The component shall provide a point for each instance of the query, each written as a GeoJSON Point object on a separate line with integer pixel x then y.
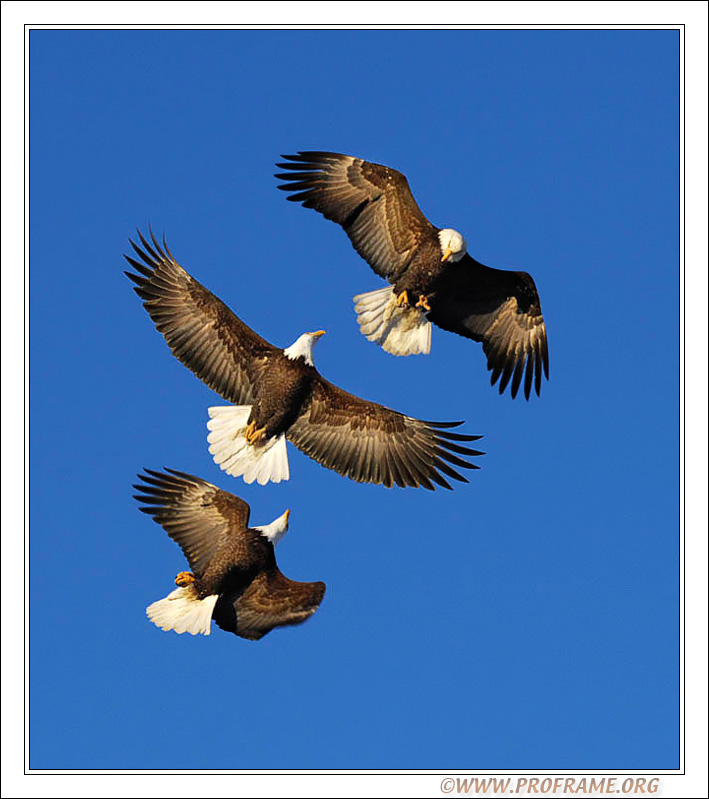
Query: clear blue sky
{"type": "Point", "coordinates": [526, 620]}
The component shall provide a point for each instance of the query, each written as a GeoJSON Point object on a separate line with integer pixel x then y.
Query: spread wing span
{"type": "Point", "coordinates": [202, 332]}
{"type": "Point", "coordinates": [370, 443]}
{"type": "Point", "coordinates": [372, 202]}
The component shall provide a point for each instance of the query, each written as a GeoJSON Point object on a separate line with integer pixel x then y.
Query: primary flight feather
{"type": "Point", "coordinates": [433, 278]}
{"type": "Point", "coordinates": [278, 394]}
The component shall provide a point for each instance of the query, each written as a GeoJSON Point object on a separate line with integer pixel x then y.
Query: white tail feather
{"type": "Point", "coordinates": [183, 612]}
{"type": "Point", "coordinates": [399, 331]}
{"type": "Point", "coordinates": [231, 452]}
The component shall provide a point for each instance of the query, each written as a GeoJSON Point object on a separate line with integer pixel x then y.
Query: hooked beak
{"type": "Point", "coordinates": [447, 254]}
{"type": "Point", "coordinates": [287, 515]}
{"type": "Point", "coordinates": [317, 333]}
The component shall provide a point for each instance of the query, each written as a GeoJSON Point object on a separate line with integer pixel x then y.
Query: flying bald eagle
{"type": "Point", "coordinates": [433, 278]}
{"type": "Point", "coordinates": [234, 578]}
{"type": "Point", "coordinates": [278, 394]}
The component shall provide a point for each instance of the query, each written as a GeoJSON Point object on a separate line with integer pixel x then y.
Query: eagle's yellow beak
{"type": "Point", "coordinates": [317, 333]}
{"type": "Point", "coordinates": [447, 254]}
{"type": "Point", "coordinates": [287, 515]}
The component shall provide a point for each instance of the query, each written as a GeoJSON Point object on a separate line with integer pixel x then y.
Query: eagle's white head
{"type": "Point", "coordinates": [453, 245]}
{"type": "Point", "coordinates": [276, 529]}
{"type": "Point", "coordinates": [303, 346]}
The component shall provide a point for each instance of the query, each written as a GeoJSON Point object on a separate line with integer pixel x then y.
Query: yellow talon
{"type": "Point", "coordinates": [423, 303]}
{"type": "Point", "coordinates": [255, 435]}
{"type": "Point", "coordinates": [184, 578]}
{"type": "Point", "coordinates": [402, 301]}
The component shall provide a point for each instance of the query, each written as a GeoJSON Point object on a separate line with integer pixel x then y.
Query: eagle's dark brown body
{"type": "Point", "coordinates": [281, 391]}
{"type": "Point", "coordinates": [235, 564]}
{"type": "Point", "coordinates": [422, 271]}
{"type": "Point", "coordinates": [245, 570]}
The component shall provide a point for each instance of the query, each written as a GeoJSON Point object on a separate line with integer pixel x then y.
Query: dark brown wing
{"type": "Point", "coordinates": [201, 331]}
{"type": "Point", "coordinates": [271, 600]}
{"type": "Point", "coordinates": [196, 514]}
{"type": "Point", "coordinates": [373, 444]}
{"type": "Point", "coordinates": [502, 310]}
{"type": "Point", "coordinates": [373, 203]}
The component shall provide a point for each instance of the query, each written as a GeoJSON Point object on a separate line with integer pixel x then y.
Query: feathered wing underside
{"type": "Point", "coordinates": [196, 514]}
{"type": "Point", "coordinates": [500, 309]}
{"type": "Point", "coordinates": [271, 600]}
{"type": "Point", "coordinates": [201, 331]}
{"type": "Point", "coordinates": [373, 203]}
{"type": "Point", "coordinates": [373, 444]}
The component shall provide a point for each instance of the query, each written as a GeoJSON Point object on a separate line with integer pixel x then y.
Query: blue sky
{"type": "Point", "coordinates": [526, 620]}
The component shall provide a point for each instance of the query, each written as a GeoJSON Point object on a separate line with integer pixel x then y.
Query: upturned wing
{"type": "Point", "coordinates": [271, 600]}
{"type": "Point", "coordinates": [373, 444]}
{"type": "Point", "coordinates": [196, 514]}
{"type": "Point", "coordinates": [372, 202]}
{"type": "Point", "coordinates": [207, 337]}
{"type": "Point", "coordinates": [500, 309]}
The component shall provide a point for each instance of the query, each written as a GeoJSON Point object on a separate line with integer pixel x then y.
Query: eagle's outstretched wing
{"type": "Point", "coordinates": [373, 444]}
{"type": "Point", "coordinates": [207, 337]}
{"type": "Point", "coordinates": [271, 600]}
{"type": "Point", "coordinates": [372, 202]}
{"type": "Point", "coordinates": [500, 309]}
{"type": "Point", "coordinates": [196, 514]}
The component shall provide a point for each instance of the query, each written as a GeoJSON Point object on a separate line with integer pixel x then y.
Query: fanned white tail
{"type": "Point", "coordinates": [183, 612]}
{"type": "Point", "coordinates": [227, 443]}
{"type": "Point", "coordinates": [399, 331]}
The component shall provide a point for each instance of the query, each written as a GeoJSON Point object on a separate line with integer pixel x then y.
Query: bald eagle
{"type": "Point", "coordinates": [433, 278]}
{"type": "Point", "coordinates": [278, 394]}
{"type": "Point", "coordinates": [234, 578]}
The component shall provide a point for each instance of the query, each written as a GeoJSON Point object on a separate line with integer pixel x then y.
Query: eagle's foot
{"type": "Point", "coordinates": [184, 578]}
{"type": "Point", "coordinates": [251, 427]}
{"type": "Point", "coordinates": [423, 303]}
{"type": "Point", "coordinates": [402, 301]}
{"type": "Point", "coordinates": [254, 436]}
